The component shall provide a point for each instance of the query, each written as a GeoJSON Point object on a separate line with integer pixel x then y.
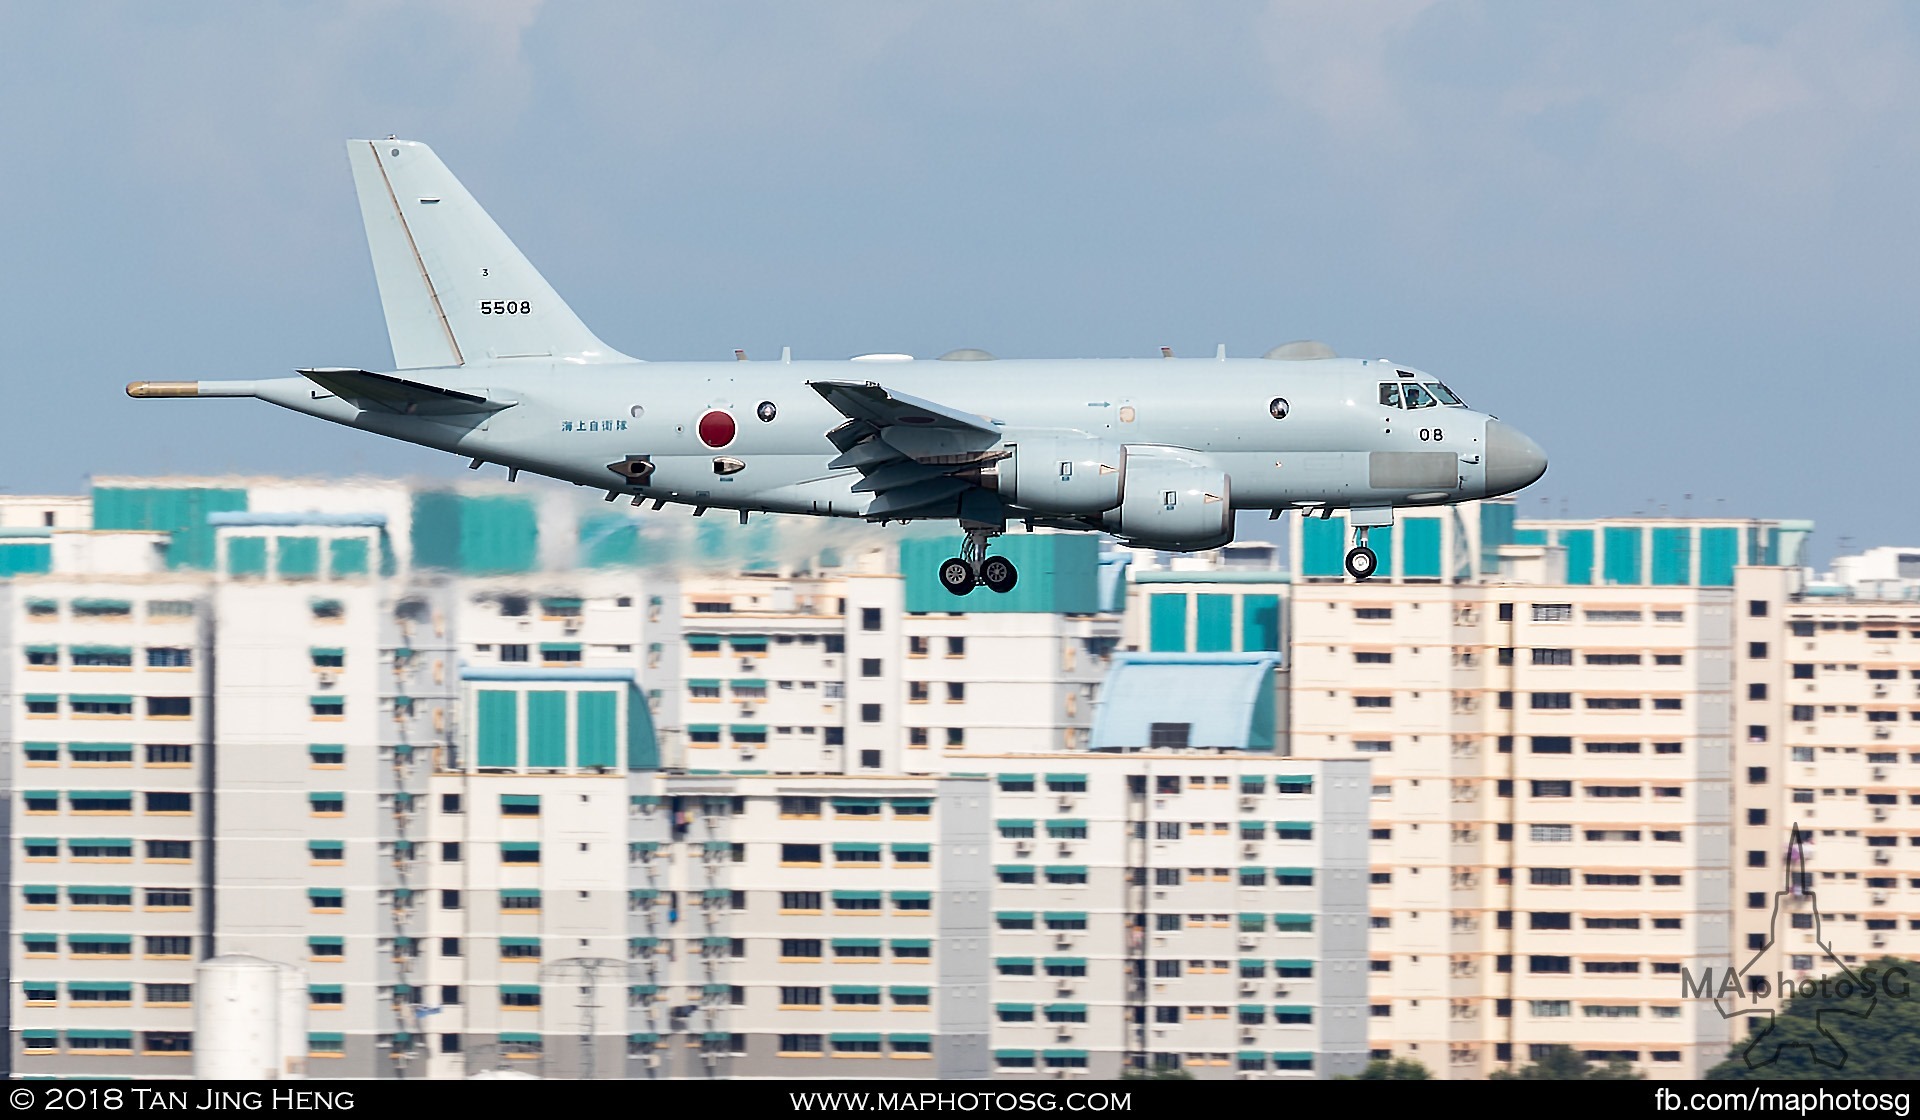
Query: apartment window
{"type": "Point", "coordinates": [1757, 691]}
{"type": "Point", "coordinates": [869, 713]}
{"type": "Point", "coordinates": [870, 618]}
{"type": "Point", "coordinates": [1372, 657]}
{"type": "Point", "coordinates": [1803, 672]}
{"type": "Point", "coordinates": [1756, 650]}
{"type": "Point", "coordinates": [1552, 744]}
{"type": "Point", "coordinates": [1756, 775]}
{"type": "Point", "coordinates": [956, 647]}
{"type": "Point", "coordinates": [1553, 657]}
{"type": "Point", "coordinates": [956, 736]}
{"type": "Point", "coordinates": [167, 850]}
{"type": "Point", "coordinates": [1550, 833]}
{"type": "Point", "coordinates": [1543, 612]}
{"type": "Point", "coordinates": [1161, 736]}
{"type": "Point", "coordinates": [870, 666]}
{"type": "Point", "coordinates": [513, 652]}
{"type": "Point", "coordinates": [1552, 701]}
{"type": "Point", "coordinates": [1549, 964]}
{"type": "Point", "coordinates": [1552, 788]}
{"type": "Point", "coordinates": [1550, 876]}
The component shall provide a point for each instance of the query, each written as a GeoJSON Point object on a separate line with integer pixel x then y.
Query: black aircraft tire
{"type": "Point", "coordinates": [956, 575]}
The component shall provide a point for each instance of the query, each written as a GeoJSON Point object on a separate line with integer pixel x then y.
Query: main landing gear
{"type": "Point", "coordinates": [973, 566]}
{"type": "Point", "coordinates": [1361, 562]}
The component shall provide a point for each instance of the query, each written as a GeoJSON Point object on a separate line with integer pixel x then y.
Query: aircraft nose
{"type": "Point", "coordinates": [1514, 461]}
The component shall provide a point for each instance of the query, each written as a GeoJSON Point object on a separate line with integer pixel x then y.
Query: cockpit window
{"type": "Point", "coordinates": [1445, 394]}
{"type": "Point", "coordinates": [1390, 394]}
{"type": "Point", "coordinates": [1417, 397]}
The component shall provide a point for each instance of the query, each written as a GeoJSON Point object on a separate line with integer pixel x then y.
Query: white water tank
{"type": "Point", "coordinates": [236, 1019]}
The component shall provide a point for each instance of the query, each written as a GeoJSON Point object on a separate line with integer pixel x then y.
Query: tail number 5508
{"type": "Point", "coordinates": [505, 307]}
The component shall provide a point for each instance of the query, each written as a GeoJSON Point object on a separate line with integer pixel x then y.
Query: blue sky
{"type": "Point", "coordinates": [1675, 242]}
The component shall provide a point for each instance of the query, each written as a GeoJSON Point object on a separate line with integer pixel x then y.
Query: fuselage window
{"type": "Point", "coordinates": [1419, 398]}
{"type": "Point", "coordinates": [1445, 394]}
{"type": "Point", "coordinates": [1390, 395]}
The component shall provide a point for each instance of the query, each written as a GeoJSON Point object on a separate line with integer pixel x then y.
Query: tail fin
{"type": "Point", "coordinates": [454, 288]}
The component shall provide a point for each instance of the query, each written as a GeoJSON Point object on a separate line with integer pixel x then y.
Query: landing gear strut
{"type": "Point", "coordinates": [1361, 562]}
{"type": "Point", "coordinates": [973, 566]}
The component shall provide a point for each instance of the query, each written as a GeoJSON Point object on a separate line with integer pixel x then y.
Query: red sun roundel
{"type": "Point", "coordinates": [716, 428]}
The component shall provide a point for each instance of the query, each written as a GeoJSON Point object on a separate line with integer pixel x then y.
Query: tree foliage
{"type": "Point", "coordinates": [1563, 1063]}
{"type": "Point", "coordinates": [1399, 1069]}
{"type": "Point", "coordinates": [1885, 1043]}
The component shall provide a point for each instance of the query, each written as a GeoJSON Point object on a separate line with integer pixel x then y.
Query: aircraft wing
{"type": "Point", "coordinates": [387, 393]}
{"type": "Point", "coordinates": [908, 450]}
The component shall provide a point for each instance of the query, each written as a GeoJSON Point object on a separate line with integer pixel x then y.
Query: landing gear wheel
{"type": "Point", "coordinates": [998, 574]}
{"type": "Point", "coordinates": [956, 575]}
{"type": "Point", "coordinates": [1361, 562]}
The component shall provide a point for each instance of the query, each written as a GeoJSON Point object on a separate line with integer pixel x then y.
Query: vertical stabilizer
{"type": "Point", "coordinates": [454, 288]}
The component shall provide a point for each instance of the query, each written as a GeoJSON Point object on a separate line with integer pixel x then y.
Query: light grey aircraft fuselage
{"type": "Point", "coordinates": [492, 365]}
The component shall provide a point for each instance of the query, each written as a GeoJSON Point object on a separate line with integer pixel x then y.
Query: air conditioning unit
{"type": "Point", "coordinates": [1022, 847]}
{"type": "Point", "coordinates": [1247, 988]}
{"type": "Point", "coordinates": [1882, 732]}
{"type": "Point", "coordinates": [1879, 898]}
{"type": "Point", "coordinates": [1066, 801]}
{"type": "Point", "coordinates": [1063, 941]}
{"type": "Point", "coordinates": [746, 663]}
{"type": "Point", "coordinates": [325, 676]}
{"type": "Point", "coordinates": [1066, 849]}
{"type": "Point", "coordinates": [571, 626]}
{"type": "Point", "coordinates": [1879, 939]}
{"type": "Point", "coordinates": [1879, 813]}
{"type": "Point", "coordinates": [1250, 850]}
{"type": "Point", "coordinates": [1065, 987]}
{"type": "Point", "coordinates": [1246, 803]}
{"type": "Point", "coordinates": [1879, 773]}
{"type": "Point", "coordinates": [1246, 1074]}
{"type": "Point", "coordinates": [1282, 990]}
{"type": "Point", "coordinates": [1247, 1036]}
{"type": "Point", "coordinates": [1880, 856]}
{"type": "Point", "coordinates": [1247, 941]}
{"type": "Point", "coordinates": [1879, 690]}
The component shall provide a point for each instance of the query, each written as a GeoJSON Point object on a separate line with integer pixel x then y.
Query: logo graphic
{"type": "Point", "coordinates": [1749, 992]}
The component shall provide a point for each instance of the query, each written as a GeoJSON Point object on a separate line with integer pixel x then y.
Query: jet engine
{"type": "Point", "coordinates": [1173, 499]}
{"type": "Point", "coordinates": [1061, 472]}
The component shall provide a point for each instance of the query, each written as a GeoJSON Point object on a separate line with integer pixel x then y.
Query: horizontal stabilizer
{"type": "Point", "coordinates": [387, 393]}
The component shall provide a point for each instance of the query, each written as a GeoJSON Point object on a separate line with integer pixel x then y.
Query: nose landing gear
{"type": "Point", "coordinates": [962, 573]}
{"type": "Point", "coordinates": [1361, 561]}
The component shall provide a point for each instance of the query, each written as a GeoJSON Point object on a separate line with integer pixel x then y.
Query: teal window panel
{"type": "Point", "coordinates": [25, 558]}
{"type": "Point", "coordinates": [1672, 556]}
{"type": "Point", "coordinates": [643, 749]}
{"type": "Point", "coordinates": [347, 557]}
{"type": "Point", "coordinates": [1620, 563]}
{"type": "Point", "coordinates": [499, 731]}
{"type": "Point", "coordinates": [1764, 546]}
{"type": "Point", "coordinates": [1259, 622]}
{"type": "Point", "coordinates": [179, 511]}
{"type": "Point", "coordinates": [1381, 541]}
{"type": "Point", "coordinates": [1323, 546]}
{"type": "Point", "coordinates": [546, 728]}
{"type": "Point", "coordinates": [1496, 529]}
{"type": "Point", "coordinates": [596, 735]}
{"type": "Point", "coordinates": [1213, 624]}
{"type": "Point", "coordinates": [246, 556]}
{"type": "Point", "coordinates": [297, 557]}
{"type": "Point", "coordinates": [611, 541]}
{"type": "Point", "coordinates": [1529, 536]}
{"type": "Point", "coordinates": [1420, 551]}
{"type": "Point", "coordinates": [1059, 573]}
{"type": "Point", "coordinates": [1167, 623]}
{"type": "Point", "coordinates": [1719, 552]}
{"type": "Point", "coordinates": [1579, 546]}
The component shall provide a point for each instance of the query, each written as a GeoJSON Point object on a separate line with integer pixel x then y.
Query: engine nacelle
{"type": "Point", "coordinates": [1173, 500]}
{"type": "Point", "coordinates": [1062, 472]}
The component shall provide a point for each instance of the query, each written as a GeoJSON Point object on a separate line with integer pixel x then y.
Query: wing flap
{"type": "Point", "coordinates": [908, 450]}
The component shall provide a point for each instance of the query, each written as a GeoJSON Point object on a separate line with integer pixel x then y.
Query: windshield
{"type": "Point", "coordinates": [1416, 397]}
{"type": "Point", "coordinates": [1445, 394]}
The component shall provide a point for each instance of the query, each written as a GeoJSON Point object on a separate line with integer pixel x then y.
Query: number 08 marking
{"type": "Point", "coordinates": [1431, 435]}
{"type": "Point", "coordinates": [506, 307]}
